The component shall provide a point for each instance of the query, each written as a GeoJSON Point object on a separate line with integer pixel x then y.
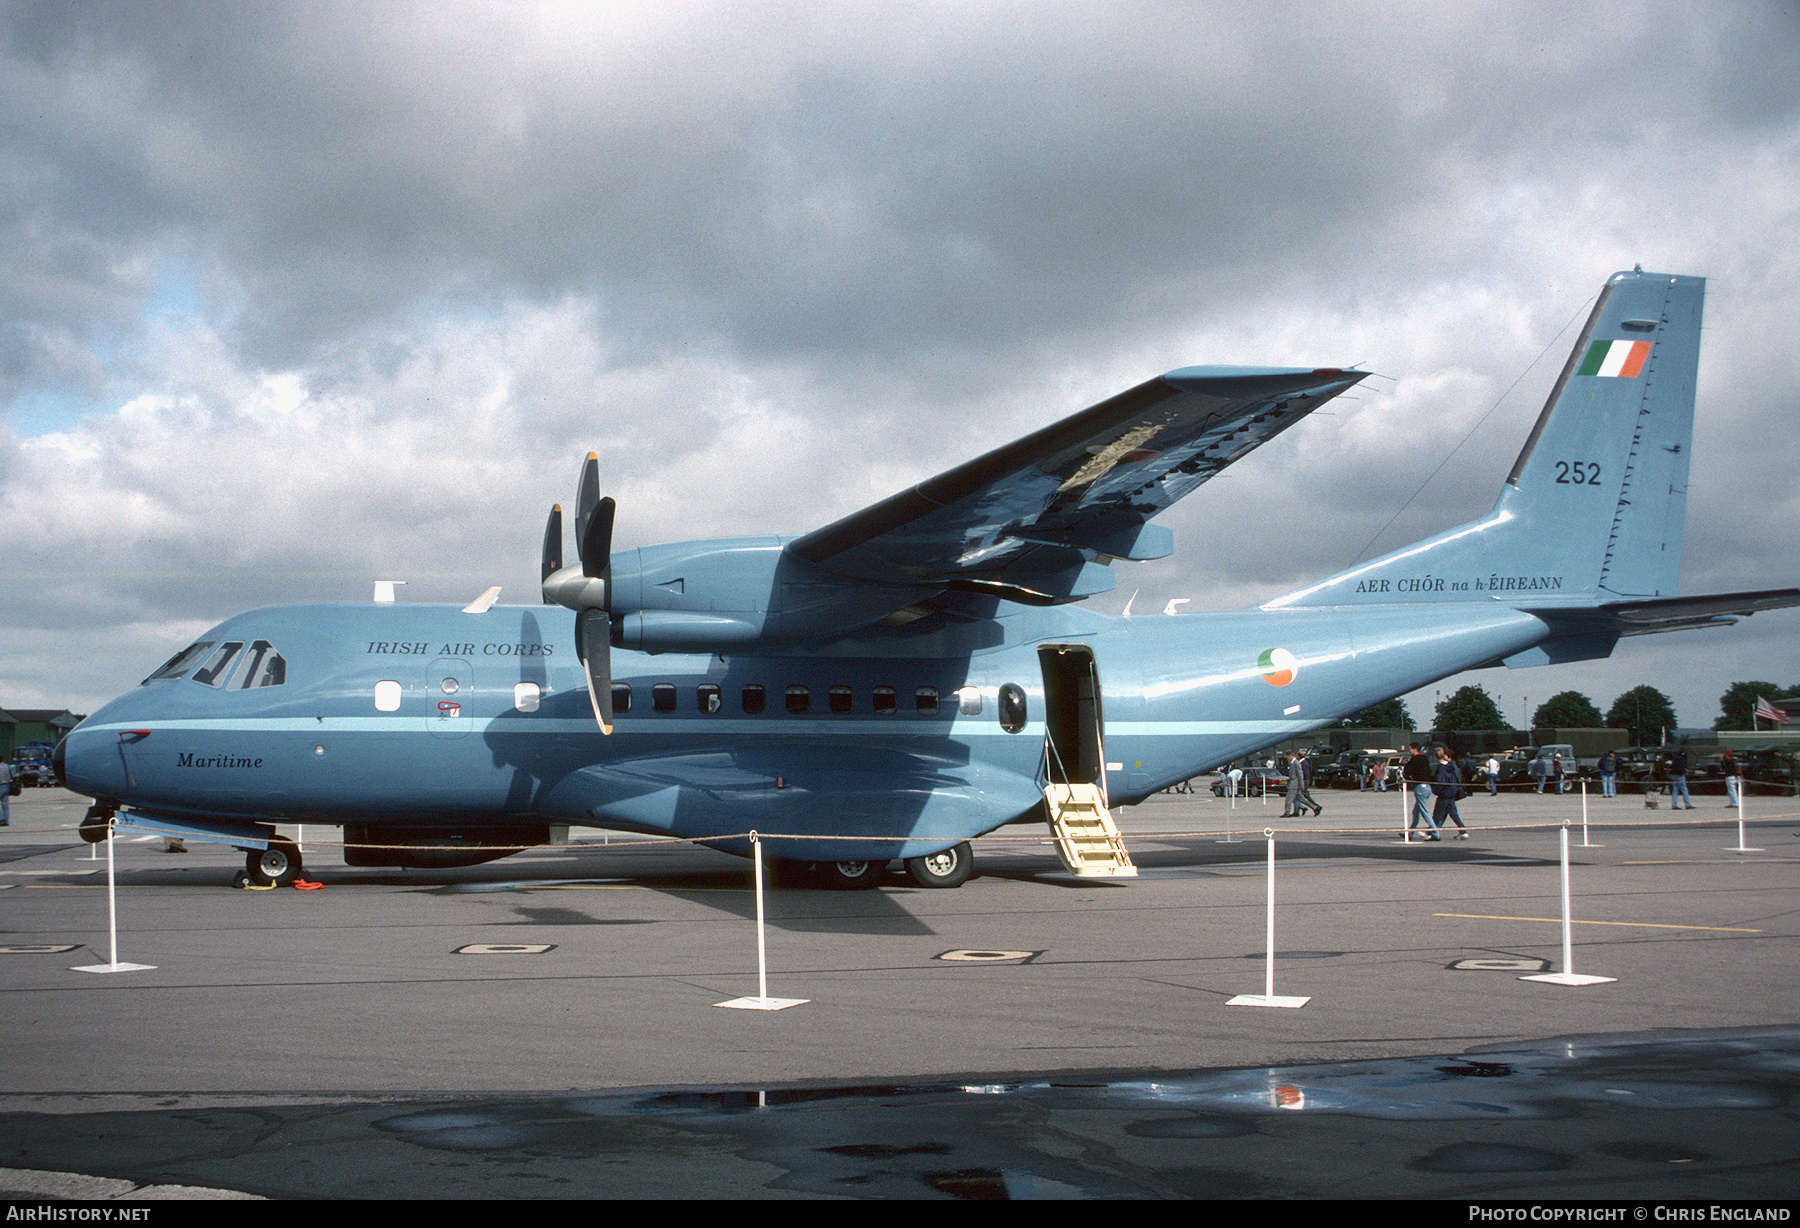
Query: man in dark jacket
{"type": "Point", "coordinates": [1678, 790]}
{"type": "Point", "coordinates": [1419, 775]}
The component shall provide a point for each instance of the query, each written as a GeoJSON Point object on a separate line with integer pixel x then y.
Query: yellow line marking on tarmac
{"type": "Point", "coordinates": [1648, 925]}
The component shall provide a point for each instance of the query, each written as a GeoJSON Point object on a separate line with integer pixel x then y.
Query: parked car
{"type": "Point", "coordinates": [1256, 782]}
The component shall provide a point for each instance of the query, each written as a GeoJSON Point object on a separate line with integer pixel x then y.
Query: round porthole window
{"type": "Point", "coordinates": [1012, 708]}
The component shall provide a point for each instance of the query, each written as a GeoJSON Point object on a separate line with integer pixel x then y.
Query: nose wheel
{"type": "Point", "coordinates": [276, 866]}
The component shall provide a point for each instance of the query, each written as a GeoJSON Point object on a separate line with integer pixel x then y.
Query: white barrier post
{"type": "Point", "coordinates": [1567, 976]}
{"type": "Point", "coordinates": [1585, 842]}
{"type": "Point", "coordinates": [1267, 996]}
{"type": "Point", "coordinates": [762, 1001]}
{"type": "Point", "coordinates": [1740, 820]}
{"type": "Point", "coordinates": [112, 918]}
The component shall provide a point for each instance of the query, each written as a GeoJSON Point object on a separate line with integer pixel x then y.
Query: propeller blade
{"type": "Point", "coordinates": [593, 641]}
{"type": "Point", "coordinates": [553, 546]}
{"type": "Point", "coordinates": [587, 494]}
{"type": "Point", "coordinates": [596, 540]}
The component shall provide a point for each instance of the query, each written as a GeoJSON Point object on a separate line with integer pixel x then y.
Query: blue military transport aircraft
{"type": "Point", "coordinates": [916, 674]}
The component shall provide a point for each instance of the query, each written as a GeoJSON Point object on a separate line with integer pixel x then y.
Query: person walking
{"type": "Point", "coordinates": [1448, 788]}
{"type": "Point", "coordinates": [1728, 768]}
{"type": "Point", "coordinates": [1493, 775]}
{"type": "Point", "coordinates": [1418, 774]}
{"type": "Point", "coordinates": [1299, 799]}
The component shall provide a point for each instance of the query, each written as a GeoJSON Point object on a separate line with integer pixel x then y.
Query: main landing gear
{"type": "Point", "coordinates": [950, 868]}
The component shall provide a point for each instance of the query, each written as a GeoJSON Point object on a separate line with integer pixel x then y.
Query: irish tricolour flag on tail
{"type": "Point", "coordinates": [1624, 358]}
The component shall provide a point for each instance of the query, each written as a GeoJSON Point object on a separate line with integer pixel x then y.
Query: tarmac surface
{"type": "Point", "coordinates": [548, 1025]}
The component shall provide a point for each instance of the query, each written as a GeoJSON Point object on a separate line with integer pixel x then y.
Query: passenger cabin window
{"type": "Point", "coordinates": [621, 698]}
{"type": "Point", "coordinates": [1012, 708]}
{"type": "Point", "coordinates": [708, 697]}
{"type": "Point", "coordinates": [799, 701]}
{"type": "Point", "coordinates": [842, 699]}
{"type": "Point", "coordinates": [387, 696]}
{"type": "Point", "coordinates": [662, 697]}
{"type": "Point", "coordinates": [755, 699]}
{"type": "Point", "coordinates": [925, 701]}
{"type": "Point", "coordinates": [968, 700]}
{"type": "Point", "coordinates": [887, 700]}
{"type": "Point", "coordinates": [525, 696]}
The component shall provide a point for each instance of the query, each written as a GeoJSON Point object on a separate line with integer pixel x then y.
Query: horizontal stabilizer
{"type": "Point", "coordinates": [1679, 613]}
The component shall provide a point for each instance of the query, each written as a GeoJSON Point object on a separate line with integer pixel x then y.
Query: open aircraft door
{"type": "Point", "coordinates": [1074, 768]}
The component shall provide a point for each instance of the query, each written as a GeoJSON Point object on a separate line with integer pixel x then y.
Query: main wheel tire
{"type": "Point", "coordinates": [849, 875]}
{"type": "Point", "coordinates": [950, 868]}
{"type": "Point", "coordinates": [277, 866]}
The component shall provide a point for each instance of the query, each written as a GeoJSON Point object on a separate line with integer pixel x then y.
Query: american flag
{"type": "Point", "coordinates": [1769, 712]}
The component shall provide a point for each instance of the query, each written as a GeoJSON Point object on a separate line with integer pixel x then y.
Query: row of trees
{"type": "Point", "coordinates": [1644, 710]}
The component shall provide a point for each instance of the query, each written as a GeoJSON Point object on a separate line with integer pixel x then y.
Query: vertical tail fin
{"type": "Point", "coordinates": [1596, 503]}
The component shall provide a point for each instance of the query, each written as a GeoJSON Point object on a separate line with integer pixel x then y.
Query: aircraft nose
{"type": "Point", "coordinates": [89, 762]}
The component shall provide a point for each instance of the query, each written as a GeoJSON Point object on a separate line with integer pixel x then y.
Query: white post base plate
{"type": "Point", "coordinates": [1569, 978]}
{"type": "Point", "coordinates": [761, 1004]}
{"type": "Point", "coordinates": [114, 968]}
{"type": "Point", "coordinates": [1257, 999]}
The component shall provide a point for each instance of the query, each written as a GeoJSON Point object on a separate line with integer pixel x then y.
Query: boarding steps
{"type": "Point", "coordinates": [1087, 840]}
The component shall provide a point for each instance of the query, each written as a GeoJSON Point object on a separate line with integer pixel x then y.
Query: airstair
{"type": "Point", "coordinates": [1087, 840]}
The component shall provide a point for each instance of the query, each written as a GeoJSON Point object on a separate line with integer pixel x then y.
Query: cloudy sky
{"type": "Point", "coordinates": [295, 296]}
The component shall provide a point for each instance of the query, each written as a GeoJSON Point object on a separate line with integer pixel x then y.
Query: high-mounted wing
{"type": "Point", "coordinates": [1032, 520]}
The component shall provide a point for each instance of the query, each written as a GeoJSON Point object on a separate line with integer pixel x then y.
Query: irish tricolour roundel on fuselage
{"type": "Point", "coordinates": [1277, 666]}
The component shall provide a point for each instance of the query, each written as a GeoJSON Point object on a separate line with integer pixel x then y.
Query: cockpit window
{"type": "Point", "coordinates": [218, 666]}
{"type": "Point", "coordinates": [181, 662]}
{"type": "Point", "coordinates": [266, 668]}
{"type": "Point", "coordinates": [213, 664]}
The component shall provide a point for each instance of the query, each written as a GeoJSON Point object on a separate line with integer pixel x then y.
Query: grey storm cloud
{"type": "Point", "coordinates": [298, 294]}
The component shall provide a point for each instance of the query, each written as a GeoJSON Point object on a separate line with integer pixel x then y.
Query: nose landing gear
{"type": "Point", "coordinates": [276, 866]}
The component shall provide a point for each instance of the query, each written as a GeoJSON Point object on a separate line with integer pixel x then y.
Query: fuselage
{"type": "Point", "coordinates": [906, 740]}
